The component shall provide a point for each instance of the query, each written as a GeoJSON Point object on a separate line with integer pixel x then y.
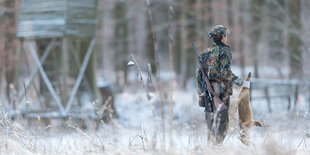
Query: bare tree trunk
{"type": "Point", "coordinates": [241, 40]}
{"type": "Point", "coordinates": [210, 15]}
{"type": "Point", "coordinates": [191, 35]}
{"type": "Point", "coordinates": [171, 12]}
{"type": "Point", "coordinates": [150, 47]}
{"type": "Point", "coordinates": [209, 20]}
{"type": "Point", "coordinates": [199, 24]}
{"type": "Point", "coordinates": [183, 41]}
{"type": "Point", "coordinates": [295, 41]}
{"type": "Point", "coordinates": [256, 24]}
{"type": "Point", "coordinates": [231, 24]}
{"type": "Point", "coordinates": [276, 29]}
{"type": "Point", "coordinates": [120, 39]}
{"type": "Point", "coordinates": [108, 29]}
{"type": "Point", "coordinates": [10, 43]}
{"type": "Point", "coordinates": [177, 6]}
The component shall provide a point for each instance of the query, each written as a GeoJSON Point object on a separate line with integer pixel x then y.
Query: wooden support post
{"type": "Point", "coordinates": [46, 80]}
{"type": "Point", "coordinates": [35, 71]}
{"type": "Point", "coordinates": [17, 70]}
{"type": "Point", "coordinates": [268, 99]}
{"type": "Point", "coordinates": [292, 95]}
{"type": "Point", "coordinates": [78, 47]}
{"type": "Point", "coordinates": [309, 98]}
{"type": "Point", "coordinates": [309, 109]}
{"type": "Point", "coordinates": [290, 98]}
{"type": "Point", "coordinates": [76, 56]}
{"type": "Point", "coordinates": [77, 52]}
{"type": "Point", "coordinates": [288, 103]}
{"type": "Point", "coordinates": [81, 73]}
{"type": "Point", "coordinates": [296, 95]}
{"type": "Point", "coordinates": [64, 69]}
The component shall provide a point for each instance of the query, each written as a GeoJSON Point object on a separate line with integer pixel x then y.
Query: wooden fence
{"type": "Point", "coordinates": [284, 89]}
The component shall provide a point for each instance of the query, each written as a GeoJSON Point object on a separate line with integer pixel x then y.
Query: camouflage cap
{"type": "Point", "coordinates": [218, 31]}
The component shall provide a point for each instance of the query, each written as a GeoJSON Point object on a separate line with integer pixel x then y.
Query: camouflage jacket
{"type": "Point", "coordinates": [216, 61]}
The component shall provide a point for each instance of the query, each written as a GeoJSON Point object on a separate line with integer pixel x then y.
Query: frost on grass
{"type": "Point", "coordinates": [130, 63]}
{"type": "Point", "coordinates": [150, 96]}
{"type": "Point", "coordinates": [133, 131]}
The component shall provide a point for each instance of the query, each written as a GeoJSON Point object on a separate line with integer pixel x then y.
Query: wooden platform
{"type": "Point", "coordinates": [57, 18]}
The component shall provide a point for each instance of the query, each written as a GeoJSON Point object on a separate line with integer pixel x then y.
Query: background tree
{"type": "Point", "coordinates": [241, 9]}
{"type": "Point", "coordinates": [295, 42]}
{"type": "Point", "coordinates": [255, 31]}
{"type": "Point", "coordinates": [10, 43]}
{"type": "Point", "coordinates": [183, 40]}
{"type": "Point", "coordinates": [121, 38]}
{"type": "Point", "coordinates": [191, 35]}
{"type": "Point", "coordinates": [275, 12]}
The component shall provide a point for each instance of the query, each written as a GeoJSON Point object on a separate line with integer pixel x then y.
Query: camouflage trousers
{"type": "Point", "coordinates": [217, 123]}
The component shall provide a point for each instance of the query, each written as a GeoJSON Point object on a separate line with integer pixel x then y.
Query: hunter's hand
{"type": "Point", "coordinates": [246, 84]}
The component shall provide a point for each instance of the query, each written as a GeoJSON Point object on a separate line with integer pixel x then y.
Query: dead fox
{"type": "Point", "coordinates": [246, 121]}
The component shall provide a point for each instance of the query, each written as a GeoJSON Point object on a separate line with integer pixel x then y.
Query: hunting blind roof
{"type": "Point", "coordinates": [57, 18]}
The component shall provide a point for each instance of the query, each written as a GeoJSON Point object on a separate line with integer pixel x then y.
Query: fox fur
{"type": "Point", "coordinates": [246, 121]}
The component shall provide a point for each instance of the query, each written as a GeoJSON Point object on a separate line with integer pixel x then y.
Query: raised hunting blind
{"type": "Point", "coordinates": [60, 37]}
{"type": "Point", "coordinates": [57, 18]}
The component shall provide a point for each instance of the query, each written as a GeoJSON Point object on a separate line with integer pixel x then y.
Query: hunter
{"type": "Point", "coordinates": [216, 60]}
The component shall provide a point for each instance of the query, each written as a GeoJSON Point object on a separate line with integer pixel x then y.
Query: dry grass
{"type": "Point", "coordinates": [108, 139]}
{"type": "Point", "coordinates": [23, 136]}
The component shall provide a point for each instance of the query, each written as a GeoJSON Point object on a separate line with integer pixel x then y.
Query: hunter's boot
{"type": "Point", "coordinates": [209, 119]}
{"type": "Point", "coordinates": [217, 123]}
{"type": "Point", "coordinates": [209, 116]}
{"type": "Point", "coordinates": [220, 125]}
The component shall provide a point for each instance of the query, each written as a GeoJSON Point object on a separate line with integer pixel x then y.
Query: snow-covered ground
{"type": "Point", "coordinates": [138, 131]}
{"type": "Point", "coordinates": [288, 129]}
